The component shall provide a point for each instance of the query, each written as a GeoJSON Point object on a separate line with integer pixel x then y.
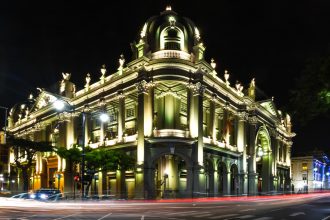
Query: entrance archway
{"type": "Point", "coordinates": [209, 177]}
{"type": "Point", "coordinates": [170, 176]}
{"type": "Point", "coordinates": [264, 160]}
{"type": "Point", "coordinates": [222, 177]}
{"type": "Point", "coordinates": [234, 179]}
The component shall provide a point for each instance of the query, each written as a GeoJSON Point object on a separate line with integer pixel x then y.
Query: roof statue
{"type": "Point", "coordinates": [88, 80]}
{"type": "Point", "coordinates": [103, 71]}
{"type": "Point", "coordinates": [121, 64]}
{"type": "Point", "coordinates": [252, 89]}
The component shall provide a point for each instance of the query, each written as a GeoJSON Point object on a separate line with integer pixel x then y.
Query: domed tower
{"type": "Point", "coordinates": [169, 36]}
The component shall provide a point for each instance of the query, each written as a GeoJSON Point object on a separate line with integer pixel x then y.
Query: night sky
{"type": "Point", "coordinates": [270, 41]}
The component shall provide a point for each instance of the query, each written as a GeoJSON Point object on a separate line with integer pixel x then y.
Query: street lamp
{"type": "Point", "coordinates": [60, 105]}
{"type": "Point", "coordinates": [1, 179]}
{"type": "Point", "coordinates": [260, 151]}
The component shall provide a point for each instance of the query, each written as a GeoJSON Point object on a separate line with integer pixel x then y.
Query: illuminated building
{"type": "Point", "coordinates": [191, 131]}
{"type": "Point", "coordinates": [310, 172]}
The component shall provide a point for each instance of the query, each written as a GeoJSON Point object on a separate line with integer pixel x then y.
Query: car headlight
{"type": "Point", "coordinates": [43, 196]}
{"type": "Point", "coordinates": [33, 196]}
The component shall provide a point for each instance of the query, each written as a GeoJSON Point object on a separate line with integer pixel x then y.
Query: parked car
{"type": "Point", "coordinates": [44, 194]}
{"type": "Point", "coordinates": [5, 192]}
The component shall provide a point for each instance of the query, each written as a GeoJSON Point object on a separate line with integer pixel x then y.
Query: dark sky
{"type": "Point", "coordinates": [268, 40]}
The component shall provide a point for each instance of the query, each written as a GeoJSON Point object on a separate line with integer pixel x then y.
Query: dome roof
{"type": "Point", "coordinates": [168, 31]}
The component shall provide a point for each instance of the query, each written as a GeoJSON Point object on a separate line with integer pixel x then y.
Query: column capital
{"type": "Point", "coordinates": [120, 94]}
{"type": "Point", "coordinates": [272, 132]}
{"type": "Point", "coordinates": [143, 86]}
{"type": "Point", "coordinates": [197, 88]}
{"type": "Point", "coordinates": [243, 116]}
{"type": "Point", "coordinates": [253, 120]}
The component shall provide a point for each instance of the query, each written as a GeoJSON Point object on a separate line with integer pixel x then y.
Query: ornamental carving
{"type": "Point", "coordinates": [243, 116]}
{"type": "Point", "coordinates": [142, 87]}
{"type": "Point", "coordinates": [120, 95]}
{"type": "Point", "coordinates": [253, 120]}
{"type": "Point", "coordinates": [197, 88]}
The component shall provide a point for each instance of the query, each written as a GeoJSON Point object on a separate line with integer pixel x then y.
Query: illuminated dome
{"type": "Point", "coordinates": [169, 32]}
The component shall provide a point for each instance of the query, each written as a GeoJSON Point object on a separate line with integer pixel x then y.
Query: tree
{"type": "Point", "coordinates": [97, 160]}
{"type": "Point", "coordinates": [102, 159]}
{"type": "Point", "coordinates": [72, 156]}
{"type": "Point", "coordinates": [311, 95]}
{"type": "Point", "coordinates": [24, 154]}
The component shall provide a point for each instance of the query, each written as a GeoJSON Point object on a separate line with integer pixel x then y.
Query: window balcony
{"type": "Point", "coordinates": [171, 133]}
{"type": "Point", "coordinates": [171, 54]}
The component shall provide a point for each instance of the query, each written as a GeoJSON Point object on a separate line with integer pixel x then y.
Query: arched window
{"type": "Point", "coordinates": [171, 38]}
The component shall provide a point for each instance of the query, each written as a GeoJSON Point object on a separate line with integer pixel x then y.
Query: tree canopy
{"type": "Point", "coordinates": [24, 154]}
{"type": "Point", "coordinates": [310, 96]}
{"type": "Point", "coordinates": [96, 160]}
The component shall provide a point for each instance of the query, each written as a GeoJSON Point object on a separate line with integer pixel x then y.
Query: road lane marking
{"type": "Point", "coordinates": [181, 213]}
{"type": "Point", "coordinates": [246, 210]}
{"type": "Point", "coordinates": [245, 216]}
{"type": "Point", "coordinates": [201, 216]}
{"type": "Point", "coordinates": [263, 218]}
{"type": "Point", "coordinates": [66, 216]}
{"type": "Point", "coordinates": [223, 216]}
{"type": "Point", "coordinates": [326, 218]}
{"type": "Point", "coordinates": [297, 213]}
{"type": "Point", "coordinates": [105, 216]}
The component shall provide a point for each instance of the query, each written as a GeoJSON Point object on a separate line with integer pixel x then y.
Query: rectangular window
{"type": "Point", "coordinates": [304, 166]}
{"type": "Point", "coordinates": [130, 112]}
{"type": "Point", "coordinates": [304, 177]}
{"type": "Point", "coordinates": [183, 107]}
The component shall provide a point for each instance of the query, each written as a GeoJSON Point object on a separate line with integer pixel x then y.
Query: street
{"type": "Point", "coordinates": [301, 206]}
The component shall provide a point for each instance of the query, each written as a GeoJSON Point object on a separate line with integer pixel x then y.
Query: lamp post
{"type": "Point", "coordinates": [327, 181]}
{"type": "Point", "coordinates": [1, 179]}
{"type": "Point", "coordinates": [60, 106]}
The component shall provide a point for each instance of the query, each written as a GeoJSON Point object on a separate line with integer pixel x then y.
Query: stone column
{"type": "Point", "coordinates": [144, 129]}
{"type": "Point", "coordinates": [121, 116]}
{"type": "Point", "coordinates": [196, 131]}
{"type": "Point", "coordinates": [212, 122]}
{"type": "Point", "coordinates": [252, 175]}
{"type": "Point", "coordinates": [142, 95]}
{"type": "Point", "coordinates": [241, 146]}
{"type": "Point", "coordinates": [67, 168]}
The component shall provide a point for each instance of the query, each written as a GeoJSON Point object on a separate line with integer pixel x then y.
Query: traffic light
{"type": "Point", "coordinates": [76, 178]}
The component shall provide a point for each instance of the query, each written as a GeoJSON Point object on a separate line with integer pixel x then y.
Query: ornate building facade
{"type": "Point", "coordinates": [192, 132]}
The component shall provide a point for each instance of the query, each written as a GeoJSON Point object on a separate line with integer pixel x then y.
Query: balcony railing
{"type": "Point", "coordinates": [112, 142]}
{"type": "Point", "coordinates": [171, 133]}
{"type": "Point", "coordinates": [171, 54]}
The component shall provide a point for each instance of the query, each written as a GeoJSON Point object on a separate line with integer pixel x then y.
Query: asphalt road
{"type": "Point", "coordinates": [299, 207]}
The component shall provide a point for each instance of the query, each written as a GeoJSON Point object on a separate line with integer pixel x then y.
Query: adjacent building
{"type": "Point", "coordinates": [310, 172]}
{"type": "Point", "coordinates": [192, 131]}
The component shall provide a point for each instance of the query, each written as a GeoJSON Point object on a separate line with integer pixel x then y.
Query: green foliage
{"type": "Point", "coordinates": [24, 153]}
{"type": "Point", "coordinates": [311, 94]}
{"type": "Point", "coordinates": [73, 154]}
{"type": "Point", "coordinates": [96, 160]}
{"type": "Point", "coordinates": [100, 159]}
